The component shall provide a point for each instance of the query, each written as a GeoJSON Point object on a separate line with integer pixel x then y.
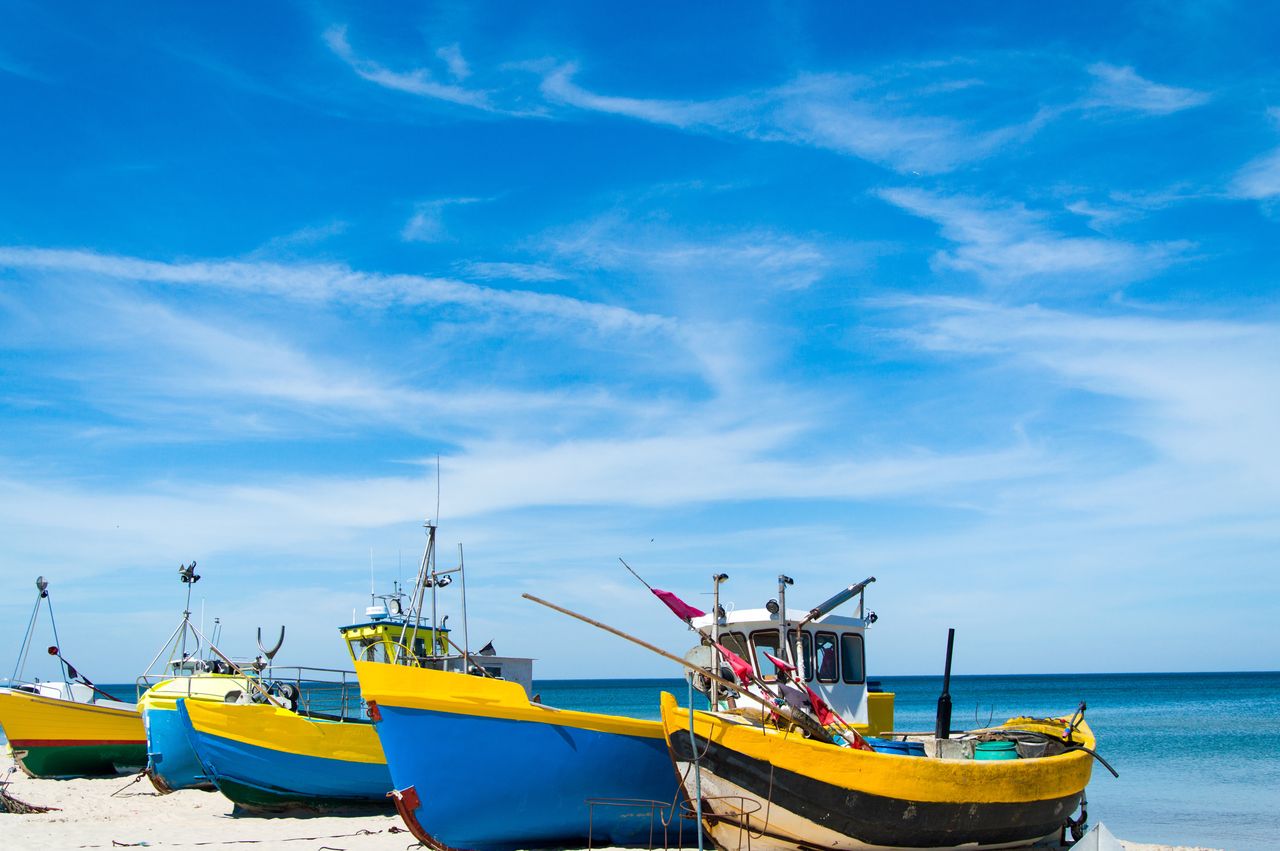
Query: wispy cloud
{"type": "Point", "coordinates": [422, 82]}
{"type": "Point", "coordinates": [837, 112]}
{"type": "Point", "coordinates": [1201, 389]}
{"type": "Point", "coordinates": [418, 81]}
{"type": "Point", "coordinates": [427, 222]}
{"type": "Point", "coordinates": [452, 57]}
{"type": "Point", "coordinates": [1121, 88]}
{"type": "Point", "coordinates": [744, 261]}
{"type": "Point", "coordinates": [1005, 243]}
{"type": "Point", "coordinates": [1259, 180]}
{"type": "Point", "coordinates": [313, 282]}
{"type": "Point", "coordinates": [493, 270]}
{"type": "Point", "coordinates": [732, 113]}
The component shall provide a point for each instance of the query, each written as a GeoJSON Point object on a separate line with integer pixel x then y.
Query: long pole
{"type": "Point", "coordinates": [813, 728]}
{"type": "Point", "coordinates": [715, 637]}
{"type": "Point", "coordinates": [942, 730]}
{"type": "Point", "coordinates": [462, 569]}
{"type": "Point", "coordinates": [697, 766]}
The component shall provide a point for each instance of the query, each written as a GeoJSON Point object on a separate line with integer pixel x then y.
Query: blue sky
{"type": "Point", "coordinates": [980, 301]}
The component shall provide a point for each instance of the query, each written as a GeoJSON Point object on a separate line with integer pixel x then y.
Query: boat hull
{"type": "Point", "coordinates": [55, 738]}
{"type": "Point", "coordinates": [269, 759]}
{"type": "Point", "coordinates": [477, 766]}
{"type": "Point", "coordinates": [793, 793]}
{"type": "Point", "coordinates": [171, 763]}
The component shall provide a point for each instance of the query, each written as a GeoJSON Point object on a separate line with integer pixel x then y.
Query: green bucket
{"type": "Point", "coordinates": [995, 750]}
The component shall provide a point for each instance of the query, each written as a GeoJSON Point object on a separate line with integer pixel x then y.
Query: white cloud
{"type": "Point", "coordinates": [511, 271]}
{"type": "Point", "coordinates": [744, 261]}
{"type": "Point", "coordinates": [416, 82]}
{"type": "Point", "coordinates": [838, 112]}
{"type": "Point", "coordinates": [1121, 88]}
{"type": "Point", "coordinates": [558, 86]}
{"type": "Point", "coordinates": [452, 57]}
{"type": "Point", "coordinates": [311, 282]}
{"type": "Point", "coordinates": [1260, 179]}
{"type": "Point", "coordinates": [427, 222]}
{"type": "Point", "coordinates": [1201, 389]}
{"type": "Point", "coordinates": [1006, 244]}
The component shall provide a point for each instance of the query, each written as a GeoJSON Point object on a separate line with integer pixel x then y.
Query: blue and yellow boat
{"type": "Point", "coordinates": [521, 774]}
{"type": "Point", "coordinates": [269, 758]}
{"type": "Point", "coordinates": [302, 739]}
{"type": "Point", "coordinates": [185, 675]}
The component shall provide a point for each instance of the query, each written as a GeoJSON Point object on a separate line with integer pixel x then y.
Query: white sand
{"type": "Point", "coordinates": [117, 812]}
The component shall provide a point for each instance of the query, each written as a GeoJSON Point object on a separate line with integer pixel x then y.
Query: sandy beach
{"type": "Point", "coordinates": [121, 813]}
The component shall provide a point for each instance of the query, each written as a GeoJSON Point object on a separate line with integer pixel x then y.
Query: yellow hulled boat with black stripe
{"type": "Point", "coordinates": [783, 762]}
{"type": "Point", "coordinates": [792, 792]}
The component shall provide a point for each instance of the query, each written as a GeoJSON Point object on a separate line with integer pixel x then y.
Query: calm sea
{"type": "Point", "coordinates": [1198, 754]}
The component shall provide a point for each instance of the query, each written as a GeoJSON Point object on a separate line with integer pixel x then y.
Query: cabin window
{"type": "Point", "coordinates": [825, 650]}
{"type": "Point", "coordinates": [806, 650]}
{"type": "Point", "coordinates": [363, 653]}
{"type": "Point", "coordinates": [735, 642]}
{"type": "Point", "coordinates": [419, 647]}
{"type": "Point", "coordinates": [762, 642]}
{"type": "Point", "coordinates": [853, 667]}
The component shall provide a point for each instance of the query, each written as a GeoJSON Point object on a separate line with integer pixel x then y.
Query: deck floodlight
{"type": "Point", "coordinates": [42, 585]}
{"type": "Point", "coordinates": [442, 581]}
{"type": "Point", "coordinates": [772, 606]}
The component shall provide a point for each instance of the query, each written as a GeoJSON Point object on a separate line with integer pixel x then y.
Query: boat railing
{"type": "Point", "coordinates": [322, 692]}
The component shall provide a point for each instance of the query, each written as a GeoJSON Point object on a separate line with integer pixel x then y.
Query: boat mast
{"type": "Point", "coordinates": [716, 579]}
{"type": "Point", "coordinates": [420, 584]}
{"type": "Point", "coordinates": [783, 582]}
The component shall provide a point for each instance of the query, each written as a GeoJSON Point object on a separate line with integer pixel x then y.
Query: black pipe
{"type": "Point", "coordinates": [942, 730]}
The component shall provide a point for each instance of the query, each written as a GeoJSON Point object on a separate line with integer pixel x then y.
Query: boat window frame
{"type": "Point", "coordinates": [835, 649]}
{"type": "Point", "coordinates": [737, 642]}
{"type": "Point", "coordinates": [755, 658]}
{"type": "Point", "coordinates": [806, 650]}
{"type": "Point", "coordinates": [862, 657]}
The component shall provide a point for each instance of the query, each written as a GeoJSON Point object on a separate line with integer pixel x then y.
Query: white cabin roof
{"type": "Point", "coordinates": [762, 619]}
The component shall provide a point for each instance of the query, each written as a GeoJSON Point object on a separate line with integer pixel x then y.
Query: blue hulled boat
{"type": "Point", "coordinates": [520, 774]}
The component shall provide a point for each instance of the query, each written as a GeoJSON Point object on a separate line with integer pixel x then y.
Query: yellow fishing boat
{"type": "Point", "coordinates": [791, 792]}
{"type": "Point", "coordinates": [54, 735]}
{"type": "Point", "coordinates": [789, 763]}
{"type": "Point", "coordinates": [67, 728]}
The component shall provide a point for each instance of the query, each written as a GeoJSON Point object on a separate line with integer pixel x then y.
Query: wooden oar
{"type": "Point", "coordinates": [810, 726]}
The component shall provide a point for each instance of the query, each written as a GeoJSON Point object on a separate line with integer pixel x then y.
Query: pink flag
{"type": "Point", "coordinates": [778, 663]}
{"type": "Point", "coordinates": [682, 609]}
{"type": "Point", "coordinates": [741, 667]}
{"type": "Point", "coordinates": [820, 708]}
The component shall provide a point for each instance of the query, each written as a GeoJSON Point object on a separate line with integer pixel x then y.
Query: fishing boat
{"type": "Point", "coordinates": [520, 774]}
{"type": "Point", "coordinates": [71, 727]}
{"type": "Point", "coordinates": [789, 770]}
{"type": "Point", "coordinates": [516, 773]}
{"type": "Point", "coordinates": [193, 670]}
{"type": "Point", "coordinates": [317, 750]}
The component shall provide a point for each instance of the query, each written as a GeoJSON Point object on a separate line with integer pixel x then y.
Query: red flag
{"type": "Point", "coordinates": [778, 663]}
{"type": "Point", "coordinates": [682, 609]}
{"type": "Point", "coordinates": [820, 708]}
{"type": "Point", "coordinates": [741, 667]}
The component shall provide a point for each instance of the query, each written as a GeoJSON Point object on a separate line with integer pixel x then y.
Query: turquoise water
{"type": "Point", "coordinates": [1198, 754]}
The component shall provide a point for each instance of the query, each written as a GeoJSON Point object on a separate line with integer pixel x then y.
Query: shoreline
{"type": "Point", "coordinates": [117, 812]}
